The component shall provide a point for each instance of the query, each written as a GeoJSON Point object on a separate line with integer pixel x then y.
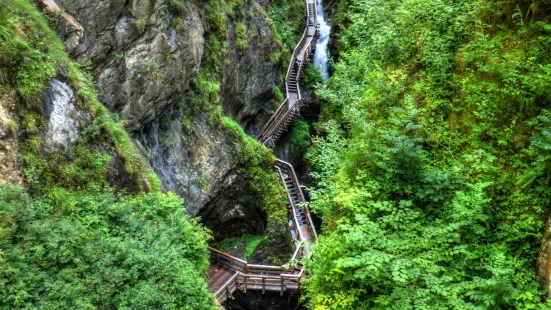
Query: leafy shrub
{"type": "Point", "coordinates": [434, 143]}
{"type": "Point", "coordinates": [247, 241]}
{"type": "Point", "coordinates": [241, 37]}
{"type": "Point", "coordinates": [311, 77]}
{"type": "Point", "coordinates": [300, 138]}
{"type": "Point", "coordinates": [178, 5]}
{"type": "Point", "coordinates": [96, 250]}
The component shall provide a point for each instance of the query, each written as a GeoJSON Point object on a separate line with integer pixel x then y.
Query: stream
{"type": "Point", "coordinates": [321, 58]}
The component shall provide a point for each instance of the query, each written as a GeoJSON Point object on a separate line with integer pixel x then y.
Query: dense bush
{"type": "Point", "coordinates": [76, 250]}
{"type": "Point", "coordinates": [299, 138]}
{"type": "Point", "coordinates": [432, 171]}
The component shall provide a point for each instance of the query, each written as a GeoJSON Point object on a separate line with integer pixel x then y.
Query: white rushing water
{"type": "Point", "coordinates": [321, 59]}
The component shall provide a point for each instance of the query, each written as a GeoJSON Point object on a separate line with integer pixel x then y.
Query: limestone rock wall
{"type": "Point", "coordinates": [249, 75]}
{"type": "Point", "coordinates": [143, 55]}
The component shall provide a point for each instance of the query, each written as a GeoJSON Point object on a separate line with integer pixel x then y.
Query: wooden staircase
{"type": "Point", "coordinates": [228, 273]}
{"type": "Point", "coordinates": [290, 108]}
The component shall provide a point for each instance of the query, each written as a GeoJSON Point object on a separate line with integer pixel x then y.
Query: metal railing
{"type": "Point", "coordinates": [283, 165]}
{"type": "Point", "coordinates": [257, 277]}
{"type": "Point", "coordinates": [267, 277]}
{"type": "Point", "coordinates": [288, 109]}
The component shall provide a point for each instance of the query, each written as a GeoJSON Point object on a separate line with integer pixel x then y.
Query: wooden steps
{"type": "Point", "coordinates": [280, 120]}
{"type": "Point", "coordinates": [228, 273]}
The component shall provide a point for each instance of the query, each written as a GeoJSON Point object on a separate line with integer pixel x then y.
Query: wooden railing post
{"type": "Point", "coordinates": [272, 130]}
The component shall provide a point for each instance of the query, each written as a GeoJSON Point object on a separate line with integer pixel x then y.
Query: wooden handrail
{"type": "Point", "coordinates": [223, 287]}
{"type": "Point", "coordinates": [280, 268]}
{"type": "Point", "coordinates": [273, 122]}
{"type": "Point", "coordinates": [227, 255]}
{"type": "Point", "coordinates": [289, 168]}
{"type": "Point", "coordinates": [297, 253]}
{"type": "Point", "coordinates": [277, 275]}
{"type": "Point", "coordinates": [294, 218]}
{"type": "Point", "coordinates": [294, 177]}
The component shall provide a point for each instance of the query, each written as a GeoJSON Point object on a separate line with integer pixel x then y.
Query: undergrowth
{"type": "Point", "coordinates": [31, 55]}
{"type": "Point", "coordinates": [248, 242]}
{"type": "Point", "coordinates": [431, 168]}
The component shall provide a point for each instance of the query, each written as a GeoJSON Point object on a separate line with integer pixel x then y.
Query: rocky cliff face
{"type": "Point", "coordinates": [143, 55]}
{"type": "Point", "coordinates": [9, 173]}
{"type": "Point", "coordinates": [142, 64]}
{"type": "Point", "coordinates": [250, 71]}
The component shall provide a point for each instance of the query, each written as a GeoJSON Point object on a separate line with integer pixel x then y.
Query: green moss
{"type": "Point", "coordinates": [248, 242]}
{"type": "Point", "coordinates": [177, 4]}
{"type": "Point", "coordinates": [12, 127]}
{"type": "Point", "coordinates": [29, 59]}
{"type": "Point", "coordinates": [241, 37]}
{"type": "Point", "coordinates": [141, 22]}
{"type": "Point", "coordinates": [178, 24]}
{"type": "Point", "coordinates": [278, 97]}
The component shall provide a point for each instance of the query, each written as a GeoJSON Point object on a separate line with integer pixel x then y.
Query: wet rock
{"type": "Point", "coordinates": [200, 166]}
{"type": "Point", "coordinates": [142, 64]}
{"type": "Point", "coordinates": [67, 27]}
{"type": "Point", "coordinates": [62, 116]}
{"type": "Point", "coordinates": [249, 76]}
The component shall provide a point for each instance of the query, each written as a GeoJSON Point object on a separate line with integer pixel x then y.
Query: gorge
{"type": "Point", "coordinates": [275, 154]}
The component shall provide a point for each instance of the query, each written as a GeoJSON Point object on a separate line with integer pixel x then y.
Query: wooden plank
{"type": "Point", "coordinates": [227, 255]}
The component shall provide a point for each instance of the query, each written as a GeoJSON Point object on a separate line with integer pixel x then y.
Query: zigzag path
{"type": "Point", "coordinates": [228, 273]}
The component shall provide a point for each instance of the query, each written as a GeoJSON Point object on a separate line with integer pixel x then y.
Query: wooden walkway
{"type": "Point", "coordinates": [228, 273]}
{"type": "Point", "coordinates": [290, 107]}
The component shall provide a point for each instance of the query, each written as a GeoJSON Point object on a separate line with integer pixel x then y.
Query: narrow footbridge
{"type": "Point", "coordinates": [290, 108]}
{"type": "Point", "coordinates": [228, 273]}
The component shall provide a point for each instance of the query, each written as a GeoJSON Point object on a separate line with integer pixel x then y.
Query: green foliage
{"type": "Point", "coordinates": [278, 94]}
{"type": "Point", "coordinates": [300, 138]}
{"type": "Point", "coordinates": [311, 77]}
{"type": "Point", "coordinates": [90, 250]}
{"type": "Point", "coordinates": [241, 37]}
{"type": "Point", "coordinates": [178, 5]}
{"type": "Point", "coordinates": [141, 22]}
{"type": "Point", "coordinates": [178, 24]}
{"type": "Point", "coordinates": [432, 174]}
{"type": "Point", "coordinates": [12, 127]}
{"type": "Point", "coordinates": [287, 18]}
{"type": "Point", "coordinates": [248, 242]}
{"type": "Point", "coordinates": [27, 64]}
{"type": "Point", "coordinates": [278, 97]}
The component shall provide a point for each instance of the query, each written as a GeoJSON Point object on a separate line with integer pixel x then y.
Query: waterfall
{"type": "Point", "coordinates": [321, 59]}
